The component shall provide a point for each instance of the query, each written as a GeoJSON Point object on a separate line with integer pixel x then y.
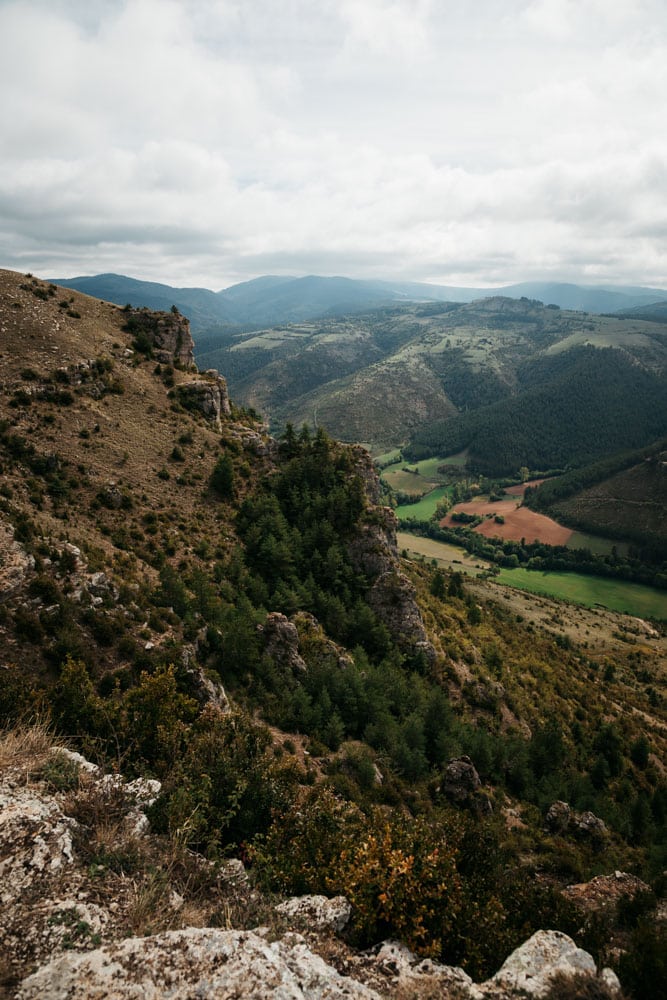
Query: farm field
{"type": "Point", "coordinates": [425, 508]}
{"type": "Point", "coordinates": [519, 522]}
{"type": "Point", "coordinates": [422, 477]}
{"type": "Point", "coordinates": [447, 556]}
{"type": "Point", "coordinates": [616, 595]}
{"type": "Point", "coordinates": [408, 482]}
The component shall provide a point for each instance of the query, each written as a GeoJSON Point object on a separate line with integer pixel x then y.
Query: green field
{"type": "Point", "coordinates": [408, 482]}
{"type": "Point", "coordinates": [424, 509]}
{"type": "Point", "coordinates": [616, 595]}
{"type": "Point", "coordinates": [388, 456]}
{"type": "Point", "coordinates": [596, 544]}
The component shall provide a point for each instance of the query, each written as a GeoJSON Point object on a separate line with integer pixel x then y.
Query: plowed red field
{"type": "Point", "coordinates": [520, 522]}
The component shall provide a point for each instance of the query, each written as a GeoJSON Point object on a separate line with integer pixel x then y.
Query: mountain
{"type": "Point", "coordinates": [225, 619]}
{"type": "Point", "coordinates": [202, 307]}
{"type": "Point", "coordinates": [654, 311]}
{"type": "Point", "coordinates": [583, 405]}
{"type": "Point", "coordinates": [272, 300]}
{"type": "Point", "coordinates": [478, 375]}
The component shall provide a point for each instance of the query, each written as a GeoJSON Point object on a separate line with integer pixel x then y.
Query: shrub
{"type": "Point", "coordinates": [222, 477]}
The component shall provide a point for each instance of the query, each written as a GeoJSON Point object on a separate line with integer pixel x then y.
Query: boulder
{"type": "Point", "coordinates": [531, 967]}
{"type": "Point", "coordinates": [461, 780]}
{"type": "Point", "coordinates": [35, 840]}
{"type": "Point", "coordinates": [416, 977]}
{"type": "Point", "coordinates": [589, 826]}
{"type": "Point", "coordinates": [558, 817]}
{"type": "Point", "coordinates": [318, 911]}
{"type": "Point", "coordinates": [603, 892]}
{"type": "Point", "coordinates": [202, 963]}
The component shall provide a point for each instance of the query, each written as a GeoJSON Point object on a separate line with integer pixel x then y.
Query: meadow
{"type": "Point", "coordinates": [591, 591]}
{"type": "Point", "coordinates": [425, 508]}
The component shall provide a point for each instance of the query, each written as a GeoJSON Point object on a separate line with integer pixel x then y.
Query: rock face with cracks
{"type": "Point", "coordinates": [194, 964]}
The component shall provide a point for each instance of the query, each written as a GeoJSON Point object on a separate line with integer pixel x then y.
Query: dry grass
{"type": "Point", "coordinates": [26, 746]}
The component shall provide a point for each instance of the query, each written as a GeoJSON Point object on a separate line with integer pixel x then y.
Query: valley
{"type": "Point", "coordinates": [188, 599]}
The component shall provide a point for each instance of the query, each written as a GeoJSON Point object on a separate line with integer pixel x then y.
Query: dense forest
{"type": "Point", "coordinates": [591, 404]}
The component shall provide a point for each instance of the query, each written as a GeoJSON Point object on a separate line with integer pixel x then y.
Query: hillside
{"type": "Point", "coordinates": [193, 601]}
{"type": "Point", "coordinates": [625, 497]}
{"type": "Point", "coordinates": [578, 407]}
{"type": "Point", "coordinates": [550, 378]}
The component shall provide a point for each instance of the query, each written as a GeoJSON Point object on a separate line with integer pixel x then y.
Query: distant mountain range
{"type": "Point", "coordinates": [272, 300]}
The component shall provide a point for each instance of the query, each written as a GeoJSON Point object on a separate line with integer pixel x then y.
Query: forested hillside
{"type": "Point", "coordinates": [187, 598]}
{"type": "Point", "coordinates": [514, 381]}
{"type": "Point", "coordinates": [623, 497]}
{"type": "Point", "coordinates": [574, 408]}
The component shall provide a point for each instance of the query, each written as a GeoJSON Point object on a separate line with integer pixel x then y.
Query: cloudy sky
{"type": "Point", "coordinates": [204, 142]}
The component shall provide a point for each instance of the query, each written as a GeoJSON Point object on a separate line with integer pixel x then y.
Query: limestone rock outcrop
{"type": "Point", "coordinates": [414, 976]}
{"type": "Point", "coordinates": [603, 892]}
{"type": "Point", "coordinates": [167, 333]}
{"type": "Point", "coordinates": [461, 779]}
{"type": "Point", "coordinates": [281, 641]}
{"type": "Point", "coordinates": [532, 966]}
{"type": "Point", "coordinates": [201, 963]}
{"type": "Point", "coordinates": [318, 911]}
{"type": "Point", "coordinates": [208, 395]}
{"type": "Point", "coordinates": [392, 596]}
{"type": "Point", "coordinates": [15, 563]}
{"type": "Point", "coordinates": [561, 819]}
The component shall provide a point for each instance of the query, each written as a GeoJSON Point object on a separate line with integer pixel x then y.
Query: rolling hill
{"type": "Point", "coordinates": [517, 382]}
{"type": "Point", "coordinates": [623, 497]}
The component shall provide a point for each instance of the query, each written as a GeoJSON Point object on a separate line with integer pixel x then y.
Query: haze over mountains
{"type": "Point", "coordinates": [269, 300]}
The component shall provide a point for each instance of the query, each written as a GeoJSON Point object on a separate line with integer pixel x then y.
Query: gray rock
{"type": "Point", "coordinates": [194, 964]}
{"type": "Point", "coordinates": [558, 817]}
{"type": "Point", "coordinates": [588, 825]}
{"type": "Point", "coordinates": [461, 779]}
{"type": "Point", "coordinates": [281, 641]}
{"type": "Point", "coordinates": [207, 395]}
{"type": "Point", "coordinates": [416, 977]}
{"type": "Point", "coordinates": [531, 967]}
{"type": "Point", "coordinates": [35, 840]}
{"type": "Point", "coordinates": [318, 911]}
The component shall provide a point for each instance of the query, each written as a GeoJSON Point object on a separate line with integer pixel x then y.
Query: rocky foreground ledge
{"type": "Point", "coordinates": [75, 922]}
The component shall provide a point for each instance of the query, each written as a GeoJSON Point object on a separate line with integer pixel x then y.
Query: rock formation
{"type": "Point", "coordinates": [208, 395]}
{"type": "Point", "coordinates": [392, 596]}
{"type": "Point", "coordinates": [561, 819]}
{"type": "Point", "coordinates": [167, 334]}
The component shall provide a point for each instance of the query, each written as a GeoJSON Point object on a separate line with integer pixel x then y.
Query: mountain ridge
{"type": "Point", "coordinates": [272, 299]}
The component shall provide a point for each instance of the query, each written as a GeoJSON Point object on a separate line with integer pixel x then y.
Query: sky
{"type": "Point", "coordinates": [206, 142]}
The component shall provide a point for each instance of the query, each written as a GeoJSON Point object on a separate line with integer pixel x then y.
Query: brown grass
{"type": "Point", "coordinates": [26, 746]}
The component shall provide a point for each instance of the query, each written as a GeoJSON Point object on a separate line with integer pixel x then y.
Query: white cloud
{"type": "Point", "coordinates": [197, 141]}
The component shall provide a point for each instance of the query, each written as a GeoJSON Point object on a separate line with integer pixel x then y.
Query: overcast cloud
{"type": "Point", "coordinates": [204, 142]}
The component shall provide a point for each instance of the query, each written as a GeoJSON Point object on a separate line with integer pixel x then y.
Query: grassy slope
{"type": "Point", "coordinates": [629, 598]}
